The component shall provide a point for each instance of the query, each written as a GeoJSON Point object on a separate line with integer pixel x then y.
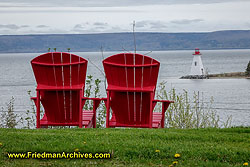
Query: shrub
{"type": "Point", "coordinates": [188, 112]}
{"type": "Point", "coordinates": [29, 120]}
{"type": "Point", "coordinates": [248, 69]}
{"type": "Point", "coordinates": [8, 118]}
{"type": "Point", "coordinates": [101, 110]}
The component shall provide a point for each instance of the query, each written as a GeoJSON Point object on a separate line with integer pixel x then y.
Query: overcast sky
{"type": "Point", "coordinates": [98, 16]}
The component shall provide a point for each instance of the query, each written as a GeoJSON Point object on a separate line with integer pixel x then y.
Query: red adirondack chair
{"type": "Point", "coordinates": [132, 80]}
{"type": "Point", "coordinates": [60, 81]}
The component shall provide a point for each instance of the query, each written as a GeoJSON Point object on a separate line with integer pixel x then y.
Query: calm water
{"type": "Point", "coordinates": [231, 96]}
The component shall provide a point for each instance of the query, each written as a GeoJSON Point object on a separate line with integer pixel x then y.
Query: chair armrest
{"type": "Point", "coordinates": [165, 104]}
{"type": "Point", "coordinates": [167, 101]}
{"type": "Point", "coordinates": [93, 98]}
{"type": "Point", "coordinates": [34, 99]}
{"type": "Point", "coordinates": [96, 101]}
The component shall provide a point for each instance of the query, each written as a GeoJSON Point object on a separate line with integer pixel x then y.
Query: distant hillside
{"type": "Point", "coordinates": [235, 39]}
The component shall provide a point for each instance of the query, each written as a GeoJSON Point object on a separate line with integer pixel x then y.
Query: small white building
{"type": "Point", "coordinates": [197, 68]}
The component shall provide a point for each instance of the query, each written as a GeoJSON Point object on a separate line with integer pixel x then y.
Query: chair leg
{"type": "Point", "coordinates": [96, 103]}
{"type": "Point", "coordinates": [94, 116]}
{"type": "Point", "coordinates": [80, 109]}
{"type": "Point", "coordinates": [44, 126]}
{"type": "Point", "coordinates": [163, 116]}
{"type": "Point", "coordinates": [164, 108]}
{"type": "Point", "coordinates": [107, 108]}
{"type": "Point", "coordinates": [90, 125]}
{"type": "Point", "coordinates": [38, 110]}
{"type": "Point", "coordinates": [151, 111]}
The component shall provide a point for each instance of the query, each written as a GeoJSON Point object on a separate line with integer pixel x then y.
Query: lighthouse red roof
{"type": "Point", "coordinates": [197, 51]}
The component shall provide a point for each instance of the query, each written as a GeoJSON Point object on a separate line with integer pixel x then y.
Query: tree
{"type": "Point", "coordinates": [248, 69]}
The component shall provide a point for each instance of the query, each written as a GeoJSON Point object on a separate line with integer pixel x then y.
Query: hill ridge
{"type": "Point", "coordinates": [157, 41]}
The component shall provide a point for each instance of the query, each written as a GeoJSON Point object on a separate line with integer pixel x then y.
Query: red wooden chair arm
{"type": "Point", "coordinates": [165, 104]}
{"type": "Point", "coordinates": [164, 101]}
{"type": "Point", "coordinates": [96, 101]}
{"type": "Point", "coordinates": [33, 98]}
{"type": "Point", "coordinates": [93, 98]}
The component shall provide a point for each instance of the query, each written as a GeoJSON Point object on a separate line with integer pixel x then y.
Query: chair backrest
{"type": "Point", "coordinates": [65, 71]}
{"type": "Point", "coordinates": [135, 77]}
{"type": "Point", "coordinates": [130, 70]}
{"type": "Point", "coordinates": [59, 69]}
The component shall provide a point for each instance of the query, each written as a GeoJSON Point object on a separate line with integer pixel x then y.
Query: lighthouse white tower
{"type": "Point", "coordinates": [197, 68]}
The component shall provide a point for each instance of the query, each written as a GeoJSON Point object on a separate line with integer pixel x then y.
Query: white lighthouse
{"type": "Point", "coordinates": [197, 68]}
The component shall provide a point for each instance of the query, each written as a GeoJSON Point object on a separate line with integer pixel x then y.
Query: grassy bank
{"type": "Point", "coordinates": [130, 147]}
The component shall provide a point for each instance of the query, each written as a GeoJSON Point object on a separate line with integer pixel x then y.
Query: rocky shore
{"type": "Point", "coordinates": [215, 76]}
{"type": "Point", "coordinates": [229, 75]}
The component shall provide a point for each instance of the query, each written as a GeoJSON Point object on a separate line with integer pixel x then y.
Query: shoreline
{"type": "Point", "coordinates": [237, 75]}
{"type": "Point", "coordinates": [230, 75]}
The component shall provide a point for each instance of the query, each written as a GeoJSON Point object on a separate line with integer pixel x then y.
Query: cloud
{"type": "Point", "coordinates": [158, 25]}
{"type": "Point", "coordinates": [45, 31]}
{"type": "Point", "coordinates": [97, 27]}
{"type": "Point", "coordinates": [62, 9]}
{"type": "Point", "coordinates": [151, 25]}
{"type": "Point", "coordinates": [80, 27]}
{"type": "Point", "coordinates": [27, 29]}
{"type": "Point", "coordinates": [106, 3]}
{"type": "Point", "coordinates": [24, 26]}
{"type": "Point", "coordinates": [87, 27]}
{"type": "Point", "coordinates": [100, 24]}
{"type": "Point", "coordinates": [141, 24]}
{"type": "Point", "coordinates": [186, 21]}
{"type": "Point", "coordinates": [42, 26]}
{"type": "Point", "coordinates": [33, 31]}
{"type": "Point", "coordinates": [9, 26]}
{"type": "Point", "coordinates": [12, 26]}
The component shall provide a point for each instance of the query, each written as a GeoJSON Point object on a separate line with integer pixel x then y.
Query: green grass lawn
{"type": "Point", "coordinates": [130, 147]}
